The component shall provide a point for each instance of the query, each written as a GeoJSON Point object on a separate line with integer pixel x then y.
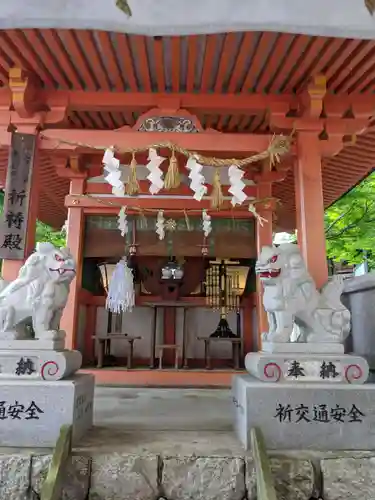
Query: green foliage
{"type": "Point", "coordinates": [44, 233]}
{"type": "Point", "coordinates": [350, 225]}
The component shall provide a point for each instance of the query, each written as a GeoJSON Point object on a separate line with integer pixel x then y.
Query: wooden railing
{"type": "Point", "coordinates": [52, 486]}
{"type": "Point", "coordinates": [265, 485]}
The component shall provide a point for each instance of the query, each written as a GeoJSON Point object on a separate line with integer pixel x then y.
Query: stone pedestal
{"type": "Point", "coordinates": [38, 359]}
{"type": "Point", "coordinates": [38, 365]}
{"type": "Point", "coordinates": [33, 411]}
{"type": "Point", "coordinates": [302, 367]}
{"type": "Point", "coordinates": [303, 347]}
{"type": "Point", "coordinates": [305, 415]}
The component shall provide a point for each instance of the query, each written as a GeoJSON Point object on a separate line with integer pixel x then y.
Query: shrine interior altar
{"type": "Point", "coordinates": [176, 317]}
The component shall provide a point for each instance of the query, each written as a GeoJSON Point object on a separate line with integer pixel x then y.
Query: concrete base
{"type": "Point", "coordinates": [32, 412]}
{"type": "Point", "coordinates": [305, 416]}
{"type": "Point", "coordinates": [304, 368]}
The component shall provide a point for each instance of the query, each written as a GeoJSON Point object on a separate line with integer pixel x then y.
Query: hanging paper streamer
{"type": "Point", "coordinates": [160, 225]}
{"type": "Point", "coordinates": [237, 185]}
{"type": "Point", "coordinates": [132, 186]}
{"type": "Point", "coordinates": [112, 166]}
{"type": "Point", "coordinates": [172, 178]}
{"type": "Point", "coordinates": [121, 297]}
{"type": "Point", "coordinates": [217, 194]}
{"type": "Point", "coordinates": [122, 221]}
{"type": "Point", "coordinates": [259, 218]}
{"type": "Point", "coordinates": [197, 180]}
{"type": "Point", "coordinates": [156, 174]}
{"type": "Point", "coordinates": [206, 223]}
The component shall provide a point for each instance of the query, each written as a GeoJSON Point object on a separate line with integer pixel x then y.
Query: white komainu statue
{"type": "Point", "coordinates": [290, 298]}
{"type": "Point", "coordinates": [39, 294]}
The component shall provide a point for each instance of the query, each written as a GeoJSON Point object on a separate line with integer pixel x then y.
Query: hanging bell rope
{"type": "Point", "coordinates": [217, 198]}
{"type": "Point", "coordinates": [172, 179]}
{"type": "Point", "coordinates": [132, 186]}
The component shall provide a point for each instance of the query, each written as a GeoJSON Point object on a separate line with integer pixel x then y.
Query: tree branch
{"type": "Point", "coordinates": [338, 219]}
{"type": "Point", "coordinates": [353, 224]}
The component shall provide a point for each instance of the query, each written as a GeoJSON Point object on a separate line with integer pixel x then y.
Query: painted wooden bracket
{"type": "Point", "coordinates": [29, 101]}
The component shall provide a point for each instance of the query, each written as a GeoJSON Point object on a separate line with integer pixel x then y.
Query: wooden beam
{"type": "Point", "coordinates": [80, 100]}
{"type": "Point", "coordinates": [213, 142]}
{"type": "Point", "coordinates": [229, 103]}
{"type": "Point", "coordinates": [100, 101]}
{"type": "Point", "coordinates": [98, 188]}
{"type": "Point", "coordinates": [341, 126]}
{"type": "Point", "coordinates": [362, 105]}
{"type": "Point", "coordinates": [111, 205]}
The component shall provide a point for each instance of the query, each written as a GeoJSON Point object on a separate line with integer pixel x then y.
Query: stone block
{"type": "Point", "coordinates": [14, 476]}
{"type": "Point", "coordinates": [76, 479]}
{"type": "Point", "coordinates": [305, 416]}
{"type": "Point", "coordinates": [33, 344]}
{"type": "Point", "coordinates": [349, 478]}
{"type": "Point", "coordinates": [38, 364]}
{"type": "Point", "coordinates": [303, 347]}
{"type": "Point", "coordinates": [124, 477]}
{"type": "Point", "coordinates": [203, 478]}
{"type": "Point", "coordinates": [32, 412]}
{"type": "Point", "coordinates": [305, 368]}
{"type": "Point", "coordinates": [294, 479]}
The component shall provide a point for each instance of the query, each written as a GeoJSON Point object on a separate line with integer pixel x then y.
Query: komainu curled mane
{"type": "Point", "coordinates": [39, 294]}
{"type": "Point", "coordinates": [290, 296]}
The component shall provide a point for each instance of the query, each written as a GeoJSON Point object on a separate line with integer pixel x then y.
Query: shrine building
{"type": "Point", "coordinates": [254, 132]}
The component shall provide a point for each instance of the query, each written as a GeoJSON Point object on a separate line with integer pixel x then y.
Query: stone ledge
{"type": "Point", "coordinates": [124, 477]}
{"type": "Point", "coordinates": [349, 478]}
{"type": "Point", "coordinates": [14, 476]}
{"type": "Point", "coordinates": [120, 476]}
{"type": "Point", "coordinates": [294, 479]}
{"type": "Point", "coordinates": [186, 478]}
{"type": "Point", "coordinates": [77, 481]}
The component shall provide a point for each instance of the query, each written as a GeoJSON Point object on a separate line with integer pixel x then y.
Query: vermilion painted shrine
{"type": "Point", "coordinates": [76, 93]}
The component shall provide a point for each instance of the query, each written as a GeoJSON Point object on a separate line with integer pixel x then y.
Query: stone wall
{"type": "Point", "coordinates": [118, 476]}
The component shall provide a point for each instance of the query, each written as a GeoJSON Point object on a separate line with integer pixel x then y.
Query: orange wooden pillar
{"type": "Point", "coordinates": [69, 320]}
{"type": "Point", "coordinates": [310, 206]}
{"type": "Point", "coordinates": [264, 237]}
{"type": "Point", "coordinates": [10, 268]}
